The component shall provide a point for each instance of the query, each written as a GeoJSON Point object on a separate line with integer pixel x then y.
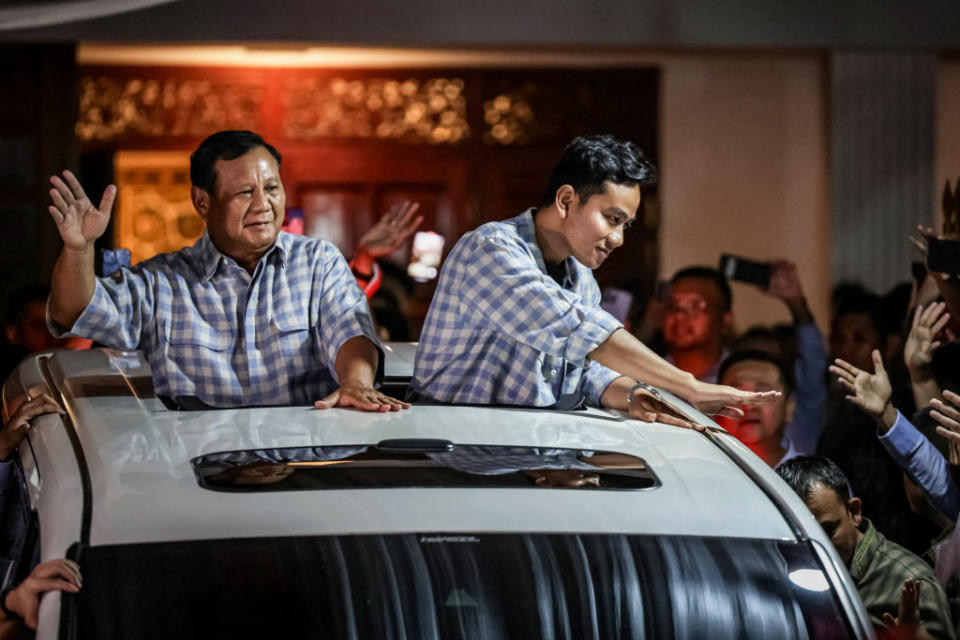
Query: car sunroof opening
{"type": "Point", "coordinates": [434, 464]}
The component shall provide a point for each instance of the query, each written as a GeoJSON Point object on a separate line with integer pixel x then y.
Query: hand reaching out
{"type": "Point", "coordinates": [906, 626]}
{"type": "Point", "coordinates": [869, 391]}
{"type": "Point", "coordinates": [60, 574]}
{"type": "Point", "coordinates": [718, 399]}
{"type": "Point", "coordinates": [13, 433]}
{"type": "Point", "coordinates": [921, 343]}
{"type": "Point", "coordinates": [391, 230]}
{"type": "Point", "coordinates": [78, 221]}
{"type": "Point", "coordinates": [948, 415]}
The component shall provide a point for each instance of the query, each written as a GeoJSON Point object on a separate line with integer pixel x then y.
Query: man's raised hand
{"type": "Point", "coordinates": [869, 391]}
{"type": "Point", "coordinates": [78, 221]}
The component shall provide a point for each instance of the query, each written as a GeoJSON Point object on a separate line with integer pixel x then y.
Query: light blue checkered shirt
{"type": "Point", "coordinates": [214, 331]}
{"type": "Point", "coordinates": [500, 330]}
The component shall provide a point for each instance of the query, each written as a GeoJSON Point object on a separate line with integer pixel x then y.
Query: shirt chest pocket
{"type": "Point", "coordinates": [197, 335]}
{"type": "Point", "coordinates": [292, 332]}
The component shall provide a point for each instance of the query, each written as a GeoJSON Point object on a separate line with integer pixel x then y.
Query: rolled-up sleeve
{"type": "Point", "coordinates": [121, 306]}
{"type": "Point", "coordinates": [926, 466]}
{"type": "Point", "coordinates": [510, 295]}
{"type": "Point", "coordinates": [344, 313]}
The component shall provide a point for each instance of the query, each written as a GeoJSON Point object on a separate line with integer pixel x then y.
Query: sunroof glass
{"type": "Point", "coordinates": [421, 463]}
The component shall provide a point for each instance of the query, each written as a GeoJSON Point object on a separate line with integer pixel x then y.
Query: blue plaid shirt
{"type": "Point", "coordinates": [214, 331]}
{"type": "Point", "coordinates": [500, 330]}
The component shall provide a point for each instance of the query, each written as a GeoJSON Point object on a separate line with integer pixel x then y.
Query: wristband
{"type": "Point", "coordinates": [11, 615]}
{"type": "Point", "coordinates": [646, 387]}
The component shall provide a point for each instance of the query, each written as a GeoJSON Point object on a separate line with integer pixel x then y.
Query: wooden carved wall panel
{"type": "Point", "coordinates": [430, 110]}
{"type": "Point", "coordinates": [112, 108]}
{"type": "Point", "coordinates": [154, 213]}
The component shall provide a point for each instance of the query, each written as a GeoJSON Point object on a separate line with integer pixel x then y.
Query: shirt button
{"type": "Point", "coordinates": [553, 372]}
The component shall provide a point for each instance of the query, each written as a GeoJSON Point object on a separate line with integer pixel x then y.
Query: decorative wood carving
{"type": "Point", "coordinates": [432, 110]}
{"type": "Point", "coordinates": [112, 108]}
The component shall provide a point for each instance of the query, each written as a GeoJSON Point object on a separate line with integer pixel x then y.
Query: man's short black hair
{"type": "Point", "coordinates": [223, 145]}
{"type": "Point", "coordinates": [786, 379]}
{"type": "Point", "coordinates": [711, 274]}
{"type": "Point", "coordinates": [805, 474]}
{"type": "Point", "coordinates": [21, 297]}
{"type": "Point", "coordinates": [589, 162]}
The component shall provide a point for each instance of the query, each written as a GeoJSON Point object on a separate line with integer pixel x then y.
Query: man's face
{"type": "Point", "coordinates": [694, 315]}
{"type": "Point", "coordinates": [853, 338]}
{"type": "Point", "coordinates": [31, 331]}
{"type": "Point", "coordinates": [761, 425]}
{"type": "Point", "coordinates": [245, 212]}
{"type": "Point", "coordinates": [840, 519]}
{"type": "Point", "coordinates": [594, 228]}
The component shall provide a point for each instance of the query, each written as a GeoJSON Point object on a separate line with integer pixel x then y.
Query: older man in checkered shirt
{"type": "Point", "coordinates": [516, 317]}
{"type": "Point", "coordinates": [249, 315]}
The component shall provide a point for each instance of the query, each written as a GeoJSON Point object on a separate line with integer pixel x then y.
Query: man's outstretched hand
{"type": "Point", "coordinates": [722, 400]}
{"type": "Point", "coordinates": [361, 397]}
{"type": "Point", "coordinates": [78, 221]}
{"type": "Point", "coordinates": [868, 391]}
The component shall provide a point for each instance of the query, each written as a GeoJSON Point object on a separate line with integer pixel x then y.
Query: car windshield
{"type": "Point", "coordinates": [456, 586]}
{"type": "Point", "coordinates": [420, 463]}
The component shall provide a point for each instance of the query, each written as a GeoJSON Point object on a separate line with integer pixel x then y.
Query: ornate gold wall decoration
{"type": "Point", "coordinates": [154, 213]}
{"type": "Point", "coordinates": [113, 107]}
{"type": "Point", "coordinates": [509, 117]}
{"type": "Point", "coordinates": [432, 110]}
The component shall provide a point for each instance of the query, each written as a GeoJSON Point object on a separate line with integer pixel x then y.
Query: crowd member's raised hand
{"type": "Point", "coordinates": [922, 340]}
{"type": "Point", "coordinates": [391, 230]}
{"type": "Point", "coordinates": [918, 350]}
{"type": "Point", "coordinates": [870, 392]}
{"type": "Point", "coordinates": [785, 286]}
{"type": "Point", "coordinates": [13, 433]}
{"type": "Point", "coordinates": [906, 626]}
{"type": "Point", "coordinates": [948, 415]}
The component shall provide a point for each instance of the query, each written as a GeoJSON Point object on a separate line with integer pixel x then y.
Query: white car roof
{"type": "Point", "coordinates": [143, 488]}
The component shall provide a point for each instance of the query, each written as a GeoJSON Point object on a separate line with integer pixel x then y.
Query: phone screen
{"type": "Point", "coordinates": [425, 257]}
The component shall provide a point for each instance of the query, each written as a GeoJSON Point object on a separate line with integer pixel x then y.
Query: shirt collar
{"type": "Point", "coordinates": [211, 258]}
{"type": "Point", "coordinates": [866, 549]}
{"type": "Point", "coordinates": [527, 229]}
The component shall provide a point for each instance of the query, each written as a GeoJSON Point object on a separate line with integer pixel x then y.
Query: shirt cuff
{"type": "Point", "coordinates": [596, 379]}
{"type": "Point", "coordinates": [60, 331]}
{"type": "Point", "coordinates": [902, 438]}
{"type": "Point", "coordinates": [595, 329]}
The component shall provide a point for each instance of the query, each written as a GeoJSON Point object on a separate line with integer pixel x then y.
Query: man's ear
{"type": "Point", "coordinates": [12, 333]}
{"type": "Point", "coordinates": [565, 198]}
{"type": "Point", "coordinates": [855, 509]}
{"type": "Point", "coordinates": [201, 201]}
{"type": "Point", "coordinates": [727, 327]}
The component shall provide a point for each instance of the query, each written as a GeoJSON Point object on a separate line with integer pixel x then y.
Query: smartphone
{"type": "Point", "coordinates": [745, 270]}
{"type": "Point", "coordinates": [943, 256]}
{"type": "Point", "coordinates": [109, 261]}
{"type": "Point", "coordinates": [425, 256]}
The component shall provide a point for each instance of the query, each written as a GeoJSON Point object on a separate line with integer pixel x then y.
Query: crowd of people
{"type": "Point", "coordinates": [250, 314]}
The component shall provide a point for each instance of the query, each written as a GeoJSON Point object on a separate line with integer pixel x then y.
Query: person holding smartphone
{"type": "Point", "coordinates": [516, 318]}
